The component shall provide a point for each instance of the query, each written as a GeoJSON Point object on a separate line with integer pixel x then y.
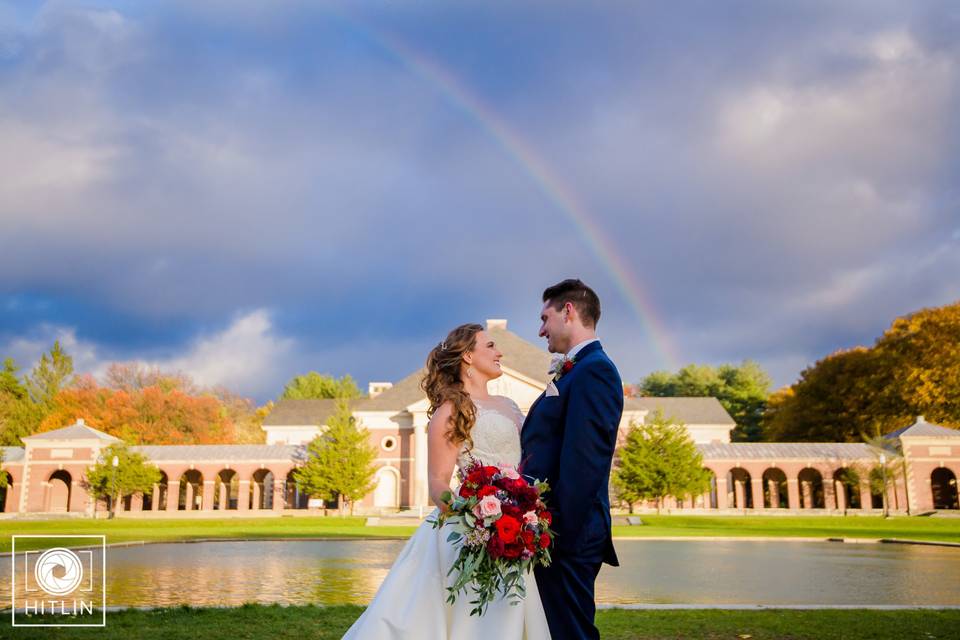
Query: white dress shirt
{"type": "Point", "coordinates": [576, 348]}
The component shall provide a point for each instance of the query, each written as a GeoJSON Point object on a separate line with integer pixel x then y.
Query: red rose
{"type": "Point", "coordinates": [507, 528]}
{"type": "Point", "coordinates": [490, 471]}
{"type": "Point", "coordinates": [495, 547]}
{"type": "Point", "coordinates": [544, 541]}
{"type": "Point", "coordinates": [527, 498]}
{"type": "Point", "coordinates": [567, 365]}
{"type": "Point", "coordinates": [476, 477]}
{"type": "Point", "coordinates": [512, 551]}
{"type": "Point", "coordinates": [466, 491]}
{"type": "Point", "coordinates": [528, 539]}
{"type": "Point", "coordinates": [512, 511]}
{"type": "Point", "coordinates": [486, 490]}
{"type": "Point", "coordinates": [546, 516]}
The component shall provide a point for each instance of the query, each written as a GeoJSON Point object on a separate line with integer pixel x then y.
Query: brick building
{"type": "Point", "coordinates": [46, 474]}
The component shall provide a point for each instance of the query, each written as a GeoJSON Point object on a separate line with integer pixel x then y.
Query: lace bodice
{"type": "Point", "coordinates": [496, 433]}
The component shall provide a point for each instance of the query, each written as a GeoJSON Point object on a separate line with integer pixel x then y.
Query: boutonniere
{"type": "Point", "coordinates": [561, 365]}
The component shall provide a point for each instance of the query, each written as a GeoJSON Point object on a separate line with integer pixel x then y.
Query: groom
{"type": "Point", "coordinates": [568, 440]}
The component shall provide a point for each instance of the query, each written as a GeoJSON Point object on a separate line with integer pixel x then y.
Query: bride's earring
{"type": "Point", "coordinates": [469, 371]}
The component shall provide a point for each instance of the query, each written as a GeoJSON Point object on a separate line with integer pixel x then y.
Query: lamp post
{"type": "Point", "coordinates": [883, 473]}
{"type": "Point", "coordinates": [113, 489]}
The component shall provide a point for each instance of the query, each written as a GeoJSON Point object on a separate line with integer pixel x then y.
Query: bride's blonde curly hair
{"type": "Point", "coordinates": [442, 381]}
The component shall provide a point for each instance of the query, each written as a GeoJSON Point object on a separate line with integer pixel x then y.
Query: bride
{"type": "Point", "coordinates": [465, 421]}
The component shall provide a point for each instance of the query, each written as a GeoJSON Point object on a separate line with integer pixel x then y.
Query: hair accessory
{"type": "Point", "coordinates": [443, 344]}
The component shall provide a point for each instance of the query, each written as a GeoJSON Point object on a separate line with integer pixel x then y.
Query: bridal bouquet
{"type": "Point", "coordinates": [502, 526]}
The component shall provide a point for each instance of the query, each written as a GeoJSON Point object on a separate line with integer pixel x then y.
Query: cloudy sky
{"type": "Point", "coordinates": [246, 191]}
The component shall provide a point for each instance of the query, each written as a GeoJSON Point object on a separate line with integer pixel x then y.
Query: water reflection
{"type": "Point", "coordinates": [652, 571]}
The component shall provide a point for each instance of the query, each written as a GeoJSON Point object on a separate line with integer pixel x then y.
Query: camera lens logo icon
{"type": "Point", "coordinates": [58, 571]}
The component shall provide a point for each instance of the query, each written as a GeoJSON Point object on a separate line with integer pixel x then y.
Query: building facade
{"type": "Point", "coordinates": [46, 475]}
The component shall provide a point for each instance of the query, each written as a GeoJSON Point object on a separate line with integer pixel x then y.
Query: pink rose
{"type": "Point", "coordinates": [488, 506]}
{"type": "Point", "coordinates": [508, 471]}
{"type": "Point", "coordinates": [530, 517]}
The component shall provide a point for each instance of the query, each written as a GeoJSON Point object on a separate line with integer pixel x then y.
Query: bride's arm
{"type": "Point", "coordinates": [441, 454]}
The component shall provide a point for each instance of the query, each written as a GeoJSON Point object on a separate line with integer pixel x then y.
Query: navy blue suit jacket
{"type": "Point", "coordinates": [568, 440]}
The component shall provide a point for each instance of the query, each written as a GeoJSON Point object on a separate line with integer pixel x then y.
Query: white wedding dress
{"type": "Point", "coordinates": [412, 601]}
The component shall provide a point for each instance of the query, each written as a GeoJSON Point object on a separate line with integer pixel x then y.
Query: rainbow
{"type": "Point", "coordinates": [450, 88]}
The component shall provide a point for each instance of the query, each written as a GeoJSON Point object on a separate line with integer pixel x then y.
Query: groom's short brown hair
{"type": "Point", "coordinates": [579, 295]}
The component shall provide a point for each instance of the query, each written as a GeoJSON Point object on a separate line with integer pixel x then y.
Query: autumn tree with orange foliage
{"type": "Point", "coordinates": [856, 394]}
{"type": "Point", "coordinates": [160, 413]}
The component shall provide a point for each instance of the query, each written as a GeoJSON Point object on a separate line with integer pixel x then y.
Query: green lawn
{"type": "Point", "coordinates": [914, 528]}
{"type": "Point", "coordinates": [160, 529]}
{"type": "Point", "coordinates": [255, 622]}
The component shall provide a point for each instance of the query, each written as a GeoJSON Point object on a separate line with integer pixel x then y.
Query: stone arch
{"type": "Point", "coordinates": [159, 495]}
{"type": "Point", "coordinates": [226, 491]}
{"type": "Point", "coordinates": [876, 494]}
{"type": "Point", "coordinates": [294, 497]}
{"type": "Point", "coordinates": [846, 482]}
{"type": "Point", "coordinates": [59, 488]}
{"type": "Point", "coordinates": [739, 489]}
{"type": "Point", "coordinates": [709, 499]}
{"type": "Point", "coordinates": [191, 491]}
{"type": "Point", "coordinates": [811, 489]}
{"type": "Point", "coordinates": [386, 495]}
{"type": "Point", "coordinates": [6, 493]}
{"type": "Point", "coordinates": [775, 492]}
{"type": "Point", "coordinates": [943, 485]}
{"type": "Point", "coordinates": [261, 489]}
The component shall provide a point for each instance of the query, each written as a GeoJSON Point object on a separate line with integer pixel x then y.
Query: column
{"type": "Point", "coordinates": [793, 494]}
{"type": "Point", "coordinates": [136, 502]}
{"type": "Point", "coordinates": [421, 489]}
{"type": "Point", "coordinates": [773, 488]}
{"type": "Point", "coordinates": [257, 488]}
{"type": "Point", "coordinates": [279, 491]}
{"type": "Point", "coordinates": [224, 497]}
{"type": "Point", "coordinates": [207, 504]}
{"type": "Point", "coordinates": [866, 500]}
{"type": "Point", "coordinates": [807, 492]}
{"type": "Point", "coordinates": [243, 500]}
{"type": "Point", "coordinates": [756, 487]}
{"type": "Point", "coordinates": [721, 492]}
{"type": "Point", "coordinates": [829, 495]}
{"type": "Point", "coordinates": [74, 500]}
{"type": "Point", "coordinates": [841, 494]}
{"type": "Point", "coordinates": [739, 495]}
{"type": "Point", "coordinates": [173, 495]}
{"type": "Point", "coordinates": [189, 501]}
{"type": "Point", "coordinates": [155, 497]}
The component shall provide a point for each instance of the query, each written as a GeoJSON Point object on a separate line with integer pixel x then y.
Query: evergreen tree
{"type": "Point", "coordinates": [340, 460]}
{"type": "Point", "coordinates": [19, 416]}
{"type": "Point", "coordinates": [53, 373]}
{"type": "Point", "coordinates": [658, 459]}
{"type": "Point", "coordinates": [10, 384]}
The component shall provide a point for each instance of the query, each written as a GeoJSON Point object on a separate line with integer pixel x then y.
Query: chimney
{"type": "Point", "coordinates": [376, 388]}
{"type": "Point", "coordinates": [496, 323]}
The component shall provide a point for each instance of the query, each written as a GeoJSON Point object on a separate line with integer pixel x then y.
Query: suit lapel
{"type": "Point", "coordinates": [593, 346]}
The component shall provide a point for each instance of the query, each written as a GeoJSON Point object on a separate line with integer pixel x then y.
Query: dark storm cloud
{"type": "Point", "coordinates": [196, 180]}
